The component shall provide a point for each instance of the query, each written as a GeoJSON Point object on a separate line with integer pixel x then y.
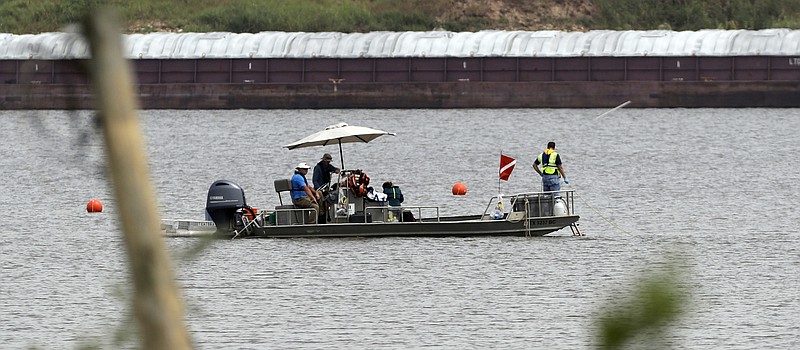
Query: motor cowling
{"type": "Point", "coordinates": [224, 204]}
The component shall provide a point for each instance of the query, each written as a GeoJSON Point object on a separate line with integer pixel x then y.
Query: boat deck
{"type": "Point", "coordinates": [529, 214]}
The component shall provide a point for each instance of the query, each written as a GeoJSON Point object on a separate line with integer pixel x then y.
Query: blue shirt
{"type": "Point", "coordinates": [298, 181]}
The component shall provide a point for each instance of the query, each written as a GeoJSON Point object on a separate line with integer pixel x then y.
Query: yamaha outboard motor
{"type": "Point", "coordinates": [225, 200]}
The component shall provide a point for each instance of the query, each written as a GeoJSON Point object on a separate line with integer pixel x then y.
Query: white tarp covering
{"type": "Point", "coordinates": [490, 43]}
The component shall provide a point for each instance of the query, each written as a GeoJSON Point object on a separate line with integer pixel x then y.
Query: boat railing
{"type": "Point", "coordinates": [534, 204]}
{"type": "Point", "coordinates": [249, 224]}
{"type": "Point", "coordinates": [397, 212]}
{"type": "Point", "coordinates": [293, 216]}
{"type": "Point", "coordinates": [419, 210]}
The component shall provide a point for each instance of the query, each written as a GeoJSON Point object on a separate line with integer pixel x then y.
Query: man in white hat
{"type": "Point", "coordinates": [303, 196]}
{"type": "Point", "coordinates": [323, 170]}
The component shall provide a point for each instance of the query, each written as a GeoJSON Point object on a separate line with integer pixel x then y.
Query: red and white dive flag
{"type": "Point", "coordinates": [506, 166]}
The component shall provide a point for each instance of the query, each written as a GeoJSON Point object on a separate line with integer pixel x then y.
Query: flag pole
{"type": "Point", "coordinates": [499, 170]}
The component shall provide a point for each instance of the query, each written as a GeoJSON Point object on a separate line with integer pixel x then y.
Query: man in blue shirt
{"type": "Point", "coordinates": [552, 170]}
{"type": "Point", "coordinates": [303, 196]}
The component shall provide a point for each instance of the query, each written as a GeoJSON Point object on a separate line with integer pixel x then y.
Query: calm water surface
{"type": "Point", "coordinates": [716, 189]}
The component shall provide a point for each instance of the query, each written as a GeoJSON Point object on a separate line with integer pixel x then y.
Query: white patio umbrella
{"type": "Point", "coordinates": [339, 134]}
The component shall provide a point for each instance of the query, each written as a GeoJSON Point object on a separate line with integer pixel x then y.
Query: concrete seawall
{"type": "Point", "coordinates": [642, 94]}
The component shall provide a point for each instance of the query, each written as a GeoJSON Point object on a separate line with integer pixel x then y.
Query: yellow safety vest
{"type": "Point", "coordinates": [550, 168]}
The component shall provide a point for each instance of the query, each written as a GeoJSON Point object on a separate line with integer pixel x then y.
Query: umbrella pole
{"type": "Point", "coordinates": [341, 156]}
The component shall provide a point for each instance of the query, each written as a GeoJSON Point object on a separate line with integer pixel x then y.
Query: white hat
{"type": "Point", "coordinates": [303, 166]}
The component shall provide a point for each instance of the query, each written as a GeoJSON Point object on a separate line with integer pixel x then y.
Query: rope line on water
{"type": "Point", "coordinates": [597, 211]}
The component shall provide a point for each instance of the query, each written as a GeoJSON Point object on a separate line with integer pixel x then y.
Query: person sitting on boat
{"type": "Point", "coordinates": [552, 170]}
{"type": "Point", "coordinates": [393, 193]}
{"type": "Point", "coordinates": [395, 197]}
{"type": "Point", "coordinates": [323, 171]}
{"type": "Point", "coordinates": [303, 196]}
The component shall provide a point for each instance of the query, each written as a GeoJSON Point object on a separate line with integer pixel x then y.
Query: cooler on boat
{"type": "Point", "coordinates": [538, 204]}
{"type": "Point", "coordinates": [378, 209]}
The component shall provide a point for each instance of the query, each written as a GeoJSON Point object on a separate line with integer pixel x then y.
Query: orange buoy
{"type": "Point", "coordinates": [94, 206]}
{"type": "Point", "coordinates": [459, 189]}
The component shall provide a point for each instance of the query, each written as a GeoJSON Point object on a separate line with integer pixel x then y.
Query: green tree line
{"type": "Point", "coordinates": [698, 14]}
{"type": "Point", "coordinates": [25, 16]}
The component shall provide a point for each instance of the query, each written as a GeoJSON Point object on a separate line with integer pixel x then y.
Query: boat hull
{"type": "Point", "coordinates": [539, 226]}
{"type": "Point", "coordinates": [530, 214]}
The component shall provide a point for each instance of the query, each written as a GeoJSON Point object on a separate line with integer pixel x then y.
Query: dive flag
{"type": "Point", "coordinates": [506, 166]}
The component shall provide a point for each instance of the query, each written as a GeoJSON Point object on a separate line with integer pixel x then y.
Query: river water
{"type": "Point", "coordinates": [711, 191]}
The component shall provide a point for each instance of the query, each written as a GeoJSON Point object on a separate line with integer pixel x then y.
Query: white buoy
{"type": "Point", "coordinates": [560, 208]}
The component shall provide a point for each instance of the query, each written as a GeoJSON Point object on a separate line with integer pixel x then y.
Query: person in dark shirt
{"type": "Point", "coordinates": [393, 193]}
{"type": "Point", "coordinates": [395, 198]}
{"type": "Point", "coordinates": [323, 170]}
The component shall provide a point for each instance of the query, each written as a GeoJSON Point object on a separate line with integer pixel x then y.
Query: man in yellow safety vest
{"type": "Point", "coordinates": [552, 170]}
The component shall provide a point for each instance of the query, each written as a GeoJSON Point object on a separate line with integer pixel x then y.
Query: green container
{"type": "Point", "coordinates": [272, 218]}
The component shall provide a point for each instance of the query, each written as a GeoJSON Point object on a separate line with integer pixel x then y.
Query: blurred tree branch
{"type": "Point", "coordinates": [157, 304]}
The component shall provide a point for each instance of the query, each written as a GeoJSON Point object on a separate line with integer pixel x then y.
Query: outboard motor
{"type": "Point", "coordinates": [224, 204]}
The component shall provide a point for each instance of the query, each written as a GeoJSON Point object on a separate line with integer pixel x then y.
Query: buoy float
{"type": "Point", "coordinates": [560, 208]}
{"type": "Point", "coordinates": [459, 189]}
{"type": "Point", "coordinates": [94, 206]}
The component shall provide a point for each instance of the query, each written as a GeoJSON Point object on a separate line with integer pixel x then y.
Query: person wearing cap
{"type": "Point", "coordinates": [323, 170]}
{"type": "Point", "coordinates": [303, 196]}
{"type": "Point", "coordinates": [552, 170]}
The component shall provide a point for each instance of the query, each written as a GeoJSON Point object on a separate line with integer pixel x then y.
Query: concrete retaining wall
{"type": "Point", "coordinates": [644, 94]}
